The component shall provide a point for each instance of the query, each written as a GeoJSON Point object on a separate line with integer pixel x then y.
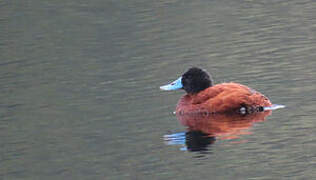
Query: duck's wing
{"type": "Point", "coordinates": [234, 96]}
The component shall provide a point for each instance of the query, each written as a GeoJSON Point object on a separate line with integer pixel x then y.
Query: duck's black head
{"type": "Point", "coordinates": [196, 80]}
{"type": "Point", "coordinates": [192, 81]}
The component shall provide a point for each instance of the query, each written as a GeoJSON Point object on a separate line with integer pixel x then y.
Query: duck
{"type": "Point", "coordinates": [202, 96]}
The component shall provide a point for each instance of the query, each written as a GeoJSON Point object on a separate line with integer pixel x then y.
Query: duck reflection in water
{"type": "Point", "coordinates": [204, 129]}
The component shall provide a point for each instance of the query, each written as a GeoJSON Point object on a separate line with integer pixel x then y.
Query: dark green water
{"type": "Point", "coordinates": [80, 98]}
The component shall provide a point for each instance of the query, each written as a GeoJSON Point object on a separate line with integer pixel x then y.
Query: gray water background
{"type": "Point", "coordinates": [80, 98]}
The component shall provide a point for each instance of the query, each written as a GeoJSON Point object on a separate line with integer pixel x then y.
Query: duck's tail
{"type": "Point", "coordinates": [250, 109]}
{"type": "Point", "coordinates": [274, 107]}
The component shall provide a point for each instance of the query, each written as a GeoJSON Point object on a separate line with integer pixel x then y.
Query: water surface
{"type": "Point", "coordinates": [80, 96]}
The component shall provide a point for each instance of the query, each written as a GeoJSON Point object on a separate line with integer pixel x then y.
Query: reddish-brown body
{"type": "Point", "coordinates": [222, 98]}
